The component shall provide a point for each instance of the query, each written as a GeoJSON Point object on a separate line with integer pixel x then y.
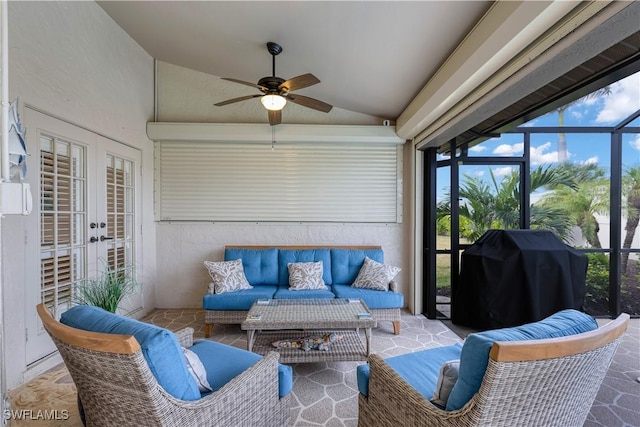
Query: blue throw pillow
{"type": "Point", "coordinates": [159, 347]}
{"type": "Point", "coordinates": [474, 357]}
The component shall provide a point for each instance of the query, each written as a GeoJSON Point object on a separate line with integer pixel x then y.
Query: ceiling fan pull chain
{"type": "Point", "coordinates": [273, 138]}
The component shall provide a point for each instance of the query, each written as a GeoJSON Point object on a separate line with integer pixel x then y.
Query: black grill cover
{"type": "Point", "coordinates": [513, 277]}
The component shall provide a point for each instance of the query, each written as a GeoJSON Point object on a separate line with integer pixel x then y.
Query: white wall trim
{"type": "Point", "coordinates": [251, 132]}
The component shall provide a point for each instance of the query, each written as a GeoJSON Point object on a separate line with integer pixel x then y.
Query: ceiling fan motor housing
{"type": "Point", "coordinates": [271, 83]}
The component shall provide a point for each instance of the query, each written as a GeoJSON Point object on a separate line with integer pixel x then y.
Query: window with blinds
{"type": "Point", "coordinates": [301, 182]}
{"type": "Point", "coordinates": [62, 219]}
{"type": "Point", "coordinates": [120, 212]}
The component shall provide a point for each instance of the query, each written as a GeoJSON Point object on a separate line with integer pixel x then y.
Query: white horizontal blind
{"type": "Point", "coordinates": [306, 182]}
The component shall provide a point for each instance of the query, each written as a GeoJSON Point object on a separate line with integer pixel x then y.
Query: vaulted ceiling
{"type": "Point", "coordinates": [408, 61]}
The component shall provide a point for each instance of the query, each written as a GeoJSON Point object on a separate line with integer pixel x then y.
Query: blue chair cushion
{"type": "Point", "coordinates": [160, 347]}
{"type": "Point", "coordinates": [260, 265]}
{"type": "Point", "coordinates": [238, 300]}
{"type": "Point", "coordinates": [285, 256]}
{"type": "Point", "coordinates": [475, 352]}
{"type": "Point", "coordinates": [372, 298]}
{"type": "Point", "coordinates": [224, 362]}
{"type": "Point", "coordinates": [419, 369]}
{"type": "Point", "coordinates": [284, 292]}
{"type": "Point", "coordinates": [346, 263]}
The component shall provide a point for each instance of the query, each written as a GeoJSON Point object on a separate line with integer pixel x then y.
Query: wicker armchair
{"type": "Point", "coordinates": [527, 383]}
{"type": "Point", "coordinates": [118, 389]}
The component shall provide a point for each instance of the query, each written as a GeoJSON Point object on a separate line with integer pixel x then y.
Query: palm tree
{"type": "Point", "coordinates": [631, 192]}
{"type": "Point", "coordinates": [485, 208]}
{"type": "Point", "coordinates": [582, 203]}
{"type": "Point", "coordinates": [562, 138]}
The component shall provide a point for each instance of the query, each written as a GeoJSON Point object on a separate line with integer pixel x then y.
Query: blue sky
{"type": "Point", "coordinates": [608, 110]}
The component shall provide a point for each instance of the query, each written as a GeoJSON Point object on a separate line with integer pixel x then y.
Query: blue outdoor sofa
{"type": "Point", "coordinates": [265, 268]}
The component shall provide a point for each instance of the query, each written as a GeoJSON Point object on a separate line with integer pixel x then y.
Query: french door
{"type": "Point", "coordinates": [86, 215]}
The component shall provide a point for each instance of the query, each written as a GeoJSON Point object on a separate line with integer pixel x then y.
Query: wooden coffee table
{"type": "Point", "coordinates": [290, 319]}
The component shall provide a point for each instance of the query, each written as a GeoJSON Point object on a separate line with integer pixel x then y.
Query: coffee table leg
{"type": "Point", "coordinates": [367, 334]}
{"type": "Point", "coordinates": [250, 338]}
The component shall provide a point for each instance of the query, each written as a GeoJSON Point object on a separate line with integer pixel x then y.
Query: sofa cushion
{"type": "Point", "coordinates": [286, 256]}
{"type": "Point", "coordinates": [419, 369]}
{"type": "Point", "coordinates": [306, 276]}
{"type": "Point", "coordinates": [284, 292]}
{"type": "Point", "coordinates": [239, 300]}
{"type": "Point", "coordinates": [375, 275]}
{"type": "Point", "coordinates": [159, 346]}
{"type": "Point", "coordinates": [373, 299]}
{"type": "Point", "coordinates": [226, 276]}
{"type": "Point", "coordinates": [223, 363]}
{"type": "Point", "coordinates": [260, 265]}
{"type": "Point", "coordinates": [475, 352]}
{"type": "Point", "coordinates": [346, 263]}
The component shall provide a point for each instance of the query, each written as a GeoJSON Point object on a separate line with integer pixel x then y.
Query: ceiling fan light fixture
{"type": "Point", "coordinates": [273, 102]}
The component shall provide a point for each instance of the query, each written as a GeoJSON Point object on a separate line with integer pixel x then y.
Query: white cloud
{"type": "Point", "coordinates": [576, 114]}
{"type": "Point", "coordinates": [623, 100]}
{"type": "Point", "coordinates": [589, 101]}
{"type": "Point", "coordinates": [539, 156]}
{"type": "Point", "coordinates": [509, 150]}
{"type": "Point", "coordinates": [477, 148]}
{"type": "Point", "coordinates": [635, 143]}
{"type": "Point", "coordinates": [503, 171]}
{"type": "Point", "coordinates": [591, 161]}
{"type": "Point", "coordinates": [479, 173]}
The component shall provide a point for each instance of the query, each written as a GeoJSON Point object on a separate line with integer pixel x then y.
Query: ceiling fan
{"type": "Point", "coordinates": [277, 91]}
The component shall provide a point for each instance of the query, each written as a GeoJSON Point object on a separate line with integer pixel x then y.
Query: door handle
{"type": "Point", "coordinates": [103, 238]}
{"type": "Point", "coordinates": [93, 239]}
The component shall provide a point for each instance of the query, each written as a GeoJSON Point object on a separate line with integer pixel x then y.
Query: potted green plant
{"type": "Point", "coordinates": [107, 289]}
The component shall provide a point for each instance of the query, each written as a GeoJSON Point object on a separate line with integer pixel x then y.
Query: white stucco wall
{"type": "Point", "coordinates": [188, 96]}
{"type": "Point", "coordinates": [70, 59]}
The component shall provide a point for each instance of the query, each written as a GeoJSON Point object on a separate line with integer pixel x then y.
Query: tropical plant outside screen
{"type": "Point", "coordinates": [570, 176]}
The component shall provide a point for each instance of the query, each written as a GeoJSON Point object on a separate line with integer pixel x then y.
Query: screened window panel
{"type": "Point", "coordinates": [306, 182]}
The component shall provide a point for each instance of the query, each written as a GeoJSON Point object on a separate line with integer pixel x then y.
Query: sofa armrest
{"type": "Point", "coordinates": [254, 394]}
{"type": "Point", "coordinates": [185, 337]}
{"type": "Point", "coordinates": [393, 286]}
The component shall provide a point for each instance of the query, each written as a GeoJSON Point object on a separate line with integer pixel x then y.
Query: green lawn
{"type": "Point", "coordinates": [443, 262]}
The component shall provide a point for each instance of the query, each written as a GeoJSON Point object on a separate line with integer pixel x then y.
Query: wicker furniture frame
{"type": "Point", "coordinates": [527, 383]}
{"type": "Point", "coordinates": [313, 317]}
{"type": "Point", "coordinates": [236, 317]}
{"type": "Point", "coordinates": [118, 389]}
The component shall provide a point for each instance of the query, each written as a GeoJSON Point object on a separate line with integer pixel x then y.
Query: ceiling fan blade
{"type": "Point", "coordinates": [231, 101]}
{"type": "Point", "coordinates": [299, 82]}
{"type": "Point", "coordinates": [275, 117]}
{"type": "Point", "coordinates": [242, 82]}
{"type": "Point", "coordinates": [305, 101]}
